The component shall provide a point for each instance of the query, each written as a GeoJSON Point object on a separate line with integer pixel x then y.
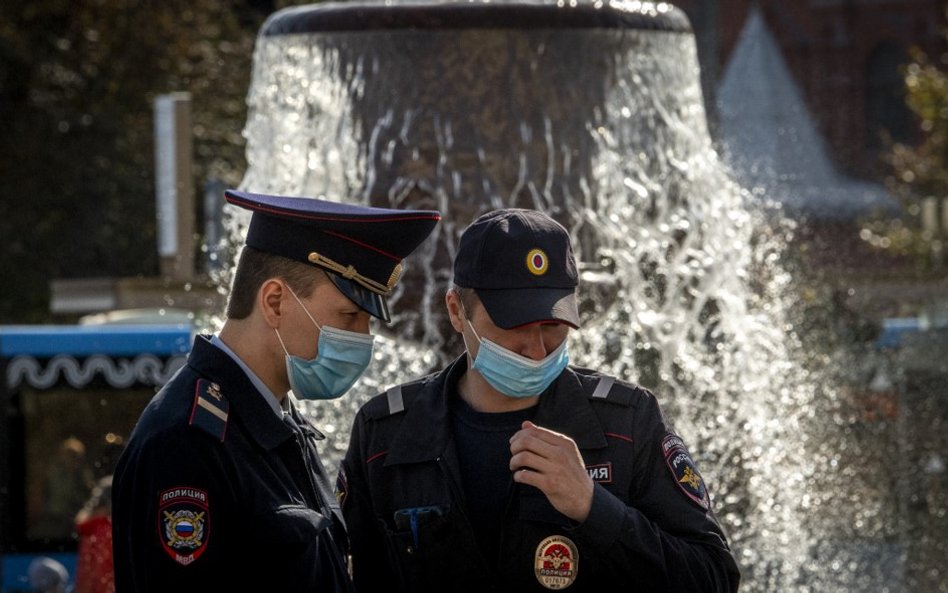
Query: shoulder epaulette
{"type": "Point", "coordinates": [605, 388]}
{"type": "Point", "coordinates": [393, 401]}
{"type": "Point", "coordinates": [396, 402]}
{"type": "Point", "coordinates": [210, 409]}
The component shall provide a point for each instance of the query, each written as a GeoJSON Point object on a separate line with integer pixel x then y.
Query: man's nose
{"type": "Point", "coordinates": [532, 345]}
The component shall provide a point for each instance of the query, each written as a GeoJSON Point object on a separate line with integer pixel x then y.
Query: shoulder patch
{"type": "Point", "coordinates": [684, 471]}
{"type": "Point", "coordinates": [210, 409]}
{"type": "Point", "coordinates": [184, 523]}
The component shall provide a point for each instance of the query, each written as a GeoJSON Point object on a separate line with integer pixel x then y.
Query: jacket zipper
{"type": "Point", "coordinates": [459, 496]}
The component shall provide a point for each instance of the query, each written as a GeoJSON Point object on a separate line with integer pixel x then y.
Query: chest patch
{"type": "Point", "coordinates": [557, 562]}
{"type": "Point", "coordinates": [684, 471]}
{"type": "Point", "coordinates": [184, 523]}
{"type": "Point", "coordinates": [600, 472]}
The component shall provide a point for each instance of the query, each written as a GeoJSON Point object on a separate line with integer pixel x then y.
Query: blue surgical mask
{"type": "Point", "coordinates": [341, 358]}
{"type": "Point", "coordinates": [515, 375]}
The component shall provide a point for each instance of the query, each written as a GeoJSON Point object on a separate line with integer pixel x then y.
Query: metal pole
{"type": "Point", "coordinates": [174, 194]}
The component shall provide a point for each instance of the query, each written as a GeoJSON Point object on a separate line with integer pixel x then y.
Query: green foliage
{"type": "Point", "coordinates": [920, 171]}
{"type": "Point", "coordinates": [77, 84]}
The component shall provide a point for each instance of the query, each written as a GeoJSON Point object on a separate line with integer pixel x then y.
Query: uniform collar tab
{"type": "Point", "coordinates": [246, 402]}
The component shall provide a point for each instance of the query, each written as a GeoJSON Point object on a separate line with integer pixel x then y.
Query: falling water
{"type": "Point", "coordinates": [599, 122]}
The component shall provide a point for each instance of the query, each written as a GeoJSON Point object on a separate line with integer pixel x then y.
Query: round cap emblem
{"type": "Point", "coordinates": [537, 262]}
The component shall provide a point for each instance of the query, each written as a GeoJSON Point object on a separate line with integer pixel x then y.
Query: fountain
{"type": "Point", "coordinates": [592, 112]}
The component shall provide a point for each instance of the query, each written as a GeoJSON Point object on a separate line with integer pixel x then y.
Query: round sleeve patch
{"type": "Point", "coordinates": [184, 523]}
{"type": "Point", "coordinates": [684, 471]}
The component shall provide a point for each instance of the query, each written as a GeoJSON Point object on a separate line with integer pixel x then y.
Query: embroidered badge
{"type": "Point", "coordinates": [684, 470]}
{"type": "Point", "coordinates": [537, 262]}
{"type": "Point", "coordinates": [214, 390]}
{"type": "Point", "coordinates": [342, 488]}
{"type": "Point", "coordinates": [600, 472]}
{"type": "Point", "coordinates": [183, 523]}
{"type": "Point", "coordinates": [557, 562]}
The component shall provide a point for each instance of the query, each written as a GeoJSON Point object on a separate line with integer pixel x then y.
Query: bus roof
{"type": "Point", "coordinates": [83, 340]}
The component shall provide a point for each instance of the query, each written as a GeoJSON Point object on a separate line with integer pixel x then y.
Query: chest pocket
{"type": "Point", "coordinates": [534, 507]}
{"type": "Point", "coordinates": [427, 547]}
{"type": "Point", "coordinates": [289, 524]}
{"type": "Point", "coordinates": [415, 530]}
{"type": "Point", "coordinates": [298, 548]}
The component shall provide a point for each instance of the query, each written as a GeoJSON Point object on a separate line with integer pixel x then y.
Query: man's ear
{"type": "Point", "coordinates": [455, 311]}
{"type": "Point", "coordinates": [270, 299]}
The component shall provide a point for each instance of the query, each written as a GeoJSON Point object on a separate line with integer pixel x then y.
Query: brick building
{"type": "Point", "coordinates": [844, 54]}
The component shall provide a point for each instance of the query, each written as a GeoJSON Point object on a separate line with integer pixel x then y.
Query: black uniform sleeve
{"type": "Point", "coordinates": [668, 536]}
{"type": "Point", "coordinates": [371, 570]}
{"type": "Point", "coordinates": [173, 512]}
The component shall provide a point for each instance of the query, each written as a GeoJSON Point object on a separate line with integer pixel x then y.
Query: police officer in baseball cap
{"type": "Point", "coordinates": [511, 470]}
{"type": "Point", "coordinates": [221, 487]}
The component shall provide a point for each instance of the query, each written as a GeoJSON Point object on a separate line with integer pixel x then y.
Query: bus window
{"type": "Point", "coordinates": [73, 438]}
{"type": "Point", "coordinates": [69, 398]}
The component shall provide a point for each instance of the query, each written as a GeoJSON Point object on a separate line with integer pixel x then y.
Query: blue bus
{"type": "Point", "coordinates": [69, 397]}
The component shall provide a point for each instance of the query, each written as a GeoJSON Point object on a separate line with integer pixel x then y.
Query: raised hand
{"type": "Point", "coordinates": [551, 462]}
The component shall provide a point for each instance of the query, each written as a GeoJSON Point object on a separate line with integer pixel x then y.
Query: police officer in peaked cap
{"type": "Point", "coordinates": [221, 487]}
{"type": "Point", "coordinates": [511, 470]}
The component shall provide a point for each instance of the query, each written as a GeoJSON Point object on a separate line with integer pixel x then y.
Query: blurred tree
{"type": "Point", "coordinates": [920, 172]}
{"type": "Point", "coordinates": [77, 82]}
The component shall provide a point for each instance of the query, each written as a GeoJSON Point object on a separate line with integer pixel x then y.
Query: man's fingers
{"type": "Point", "coordinates": [530, 430]}
{"type": "Point", "coordinates": [529, 460]}
{"type": "Point", "coordinates": [551, 462]}
{"type": "Point", "coordinates": [530, 478]}
{"type": "Point", "coordinates": [528, 441]}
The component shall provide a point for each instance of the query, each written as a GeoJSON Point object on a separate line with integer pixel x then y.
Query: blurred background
{"type": "Point", "coordinates": [833, 113]}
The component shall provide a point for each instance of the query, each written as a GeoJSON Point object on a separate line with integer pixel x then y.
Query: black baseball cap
{"type": "Point", "coordinates": [360, 247]}
{"type": "Point", "coordinates": [520, 263]}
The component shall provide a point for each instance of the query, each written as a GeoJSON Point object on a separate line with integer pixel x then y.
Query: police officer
{"type": "Point", "coordinates": [221, 487]}
{"type": "Point", "coordinates": [510, 470]}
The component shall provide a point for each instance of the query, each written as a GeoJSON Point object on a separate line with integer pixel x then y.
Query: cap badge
{"type": "Point", "coordinates": [557, 562]}
{"type": "Point", "coordinates": [350, 273]}
{"type": "Point", "coordinates": [537, 262]}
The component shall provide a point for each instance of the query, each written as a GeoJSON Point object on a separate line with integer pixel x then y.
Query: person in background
{"type": "Point", "coordinates": [511, 470]}
{"type": "Point", "coordinates": [221, 487]}
{"type": "Point", "coordinates": [66, 487]}
{"type": "Point", "coordinates": [94, 570]}
{"type": "Point", "coordinates": [47, 575]}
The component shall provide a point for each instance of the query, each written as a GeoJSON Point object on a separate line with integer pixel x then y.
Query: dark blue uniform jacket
{"type": "Point", "coordinates": [216, 493]}
{"type": "Point", "coordinates": [650, 528]}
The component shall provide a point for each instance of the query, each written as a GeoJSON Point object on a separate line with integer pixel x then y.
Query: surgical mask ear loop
{"type": "Point", "coordinates": [282, 345]}
{"type": "Point", "coordinates": [319, 327]}
{"type": "Point", "coordinates": [464, 339]}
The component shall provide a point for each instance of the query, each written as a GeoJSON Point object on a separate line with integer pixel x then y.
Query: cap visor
{"type": "Point", "coordinates": [375, 304]}
{"type": "Point", "coordinates": [510, 308]}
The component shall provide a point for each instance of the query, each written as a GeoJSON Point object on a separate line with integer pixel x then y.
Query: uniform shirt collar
{"type": "Point", "coordinates": [247, 404]}
{"type": "Point", "coordinates": [278, 408]}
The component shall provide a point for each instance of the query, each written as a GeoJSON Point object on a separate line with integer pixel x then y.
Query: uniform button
{"type": "Point", "coordinates": [410, 549]}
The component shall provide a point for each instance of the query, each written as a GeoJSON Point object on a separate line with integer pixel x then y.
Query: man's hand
{"type": "Point", "coordinates": [551, 462]}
